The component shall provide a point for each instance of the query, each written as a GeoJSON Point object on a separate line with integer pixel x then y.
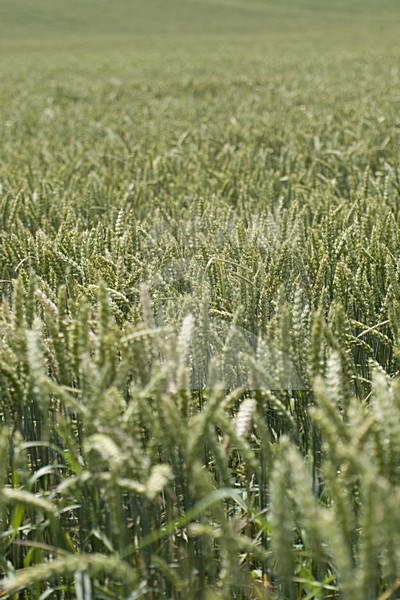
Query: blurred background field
{"type": "Point", "coordinates": [257, 31]}
{"type": "Point", "coordinates": [79, 73]}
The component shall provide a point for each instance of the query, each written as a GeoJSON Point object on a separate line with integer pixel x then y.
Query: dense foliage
{"type": "Point", "coordinates": [200, 279]}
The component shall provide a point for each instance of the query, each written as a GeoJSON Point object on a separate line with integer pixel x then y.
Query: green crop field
{"type": "Point", "coordinates": [200, 299]}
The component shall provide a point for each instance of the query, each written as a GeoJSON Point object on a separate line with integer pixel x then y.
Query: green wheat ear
{"type": "Point", "coordinates": [281, 520]}
{"type": "Point", "coordinates": [66, 566]}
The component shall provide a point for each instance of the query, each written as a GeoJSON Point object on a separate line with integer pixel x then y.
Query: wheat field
{"type": "Point", "coordinates": [200, 299]}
